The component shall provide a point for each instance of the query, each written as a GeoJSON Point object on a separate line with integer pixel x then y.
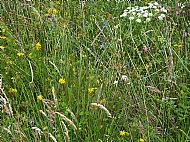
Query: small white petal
{"type": "Point", "coordinates": [139, 14]}
{"type": "Point", "coordinates": [148, 19]}
{"type": "Point", "coordinates": [115, 82]}
{"type": "Point", "coordinates": [154, 7]}
{"type": "Point", "coordinates": [155, 3]}
{"type": "Point", "coordinates": [138, 21]}
{"type": "Point", "coordinates": [124, 77]}
{"type": "Point", "coordinates": [145, 15]}
{"type": "Point", "coordinates": [124, 14]}
{"type": "Point", "coordinates": [163, 10]}
{"type": "Point", "coordinates": [160, 17]}
{"type": "Point", "coordinates": [131, 18]}
{"type": "Point", "coordinates": [134, 13]}
{"type": "Point", "coordinates": [150, 14]}
{"type": "Point", "coordinates": [163, 15]}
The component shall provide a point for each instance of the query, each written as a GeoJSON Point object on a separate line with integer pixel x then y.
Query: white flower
{"type": "Point", "coordinates": [124, 14]}
{"type": "Point", "coordinates": [144, 8]}
{"type": "Point", "coordinates": [124, 77]}
{"type": "Point", "coordinates": [157, 10]}
{"type": "Point", "coordinates": [139, 14]}
{"type": "Point", "coordinates": [138, 20]}
{"type": "Point", "coordinates": [155, 3]}
{"type": "Point", "coordinates": [145, 15]}
{"type": "Point", "coordinates": [154, 7]}
{"type": "Point", "coordinates": [148, 19]}
{"type": "Point", "coordinates": [136, 7]}
{"type": "Point", "coordinates": [150, 5]}
{"type": "Point", "coordinates": [134, 13]}
{"type": "Point", "coordinates": [163, 10]}
{"type": "Point", "coordinates": [161, 17]}
{"type": "Point", "coordinates": [150, 14]}
{"type": "Point", "coordinates": [115, 82]}
{"type": "Point", "coordinates": [131, 18]}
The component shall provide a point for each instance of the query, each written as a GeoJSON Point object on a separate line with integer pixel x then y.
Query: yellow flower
{"type": "Point", "coordinates": [147, 66]}
{"type": "Point", "coordinates": [127, 134]}
{"type": "Point", "coordinates": [92, 18]}
{"type": "Point", "coordinates": [2, 48]}
{"type": "Point", "coordinates": [61, 81]}
{"type": "Point", "coordinates": [3, 30]}
{"type": "Point", "coordinates": [39, 97]}
{"type": "Point", "coordinates": [55, 12]}
{"type": "Point", "coordinates": [50, 10]}
{"type": "Point", "coordinates": [91, 90]}
{"type": "Point", "coordinates": [102, 101]}
{"type": "Point", "coordinates": [98, 81]}
{"type": "Point", "coordinates": [141, 140]}
{"type": "Point", "coordinates": [3, 37]}
{"type": "Point", "coordinates": [123, 133]}
{"type": "Point", "coordinates": [20, 54]}
{"type": "Point", "coordinates": [13, 78]}
{"type": "Point", "coordinates": [38, 46]}
{"type": "Point", "coordinates": [10, 62]}
{"type": "Point", "coordinates": [12, 90]}
{"type": "Point", "coordinates": [30, 55]}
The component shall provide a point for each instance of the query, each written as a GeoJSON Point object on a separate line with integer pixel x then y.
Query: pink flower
{"type": "Point", "coordinates": [145, 48]}
{"type": "Point", "coordinates": [185, 34]}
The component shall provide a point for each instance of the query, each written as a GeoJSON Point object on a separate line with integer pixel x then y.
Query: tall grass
{"type": "Point", "coordinates": [119, 75]}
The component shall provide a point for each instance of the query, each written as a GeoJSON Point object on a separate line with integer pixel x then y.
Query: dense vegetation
{"type": "Point", "coordinates": [94, 71]}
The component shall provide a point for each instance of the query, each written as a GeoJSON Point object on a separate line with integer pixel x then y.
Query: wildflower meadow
{"type": "Point", "coordinates": [94, 71]}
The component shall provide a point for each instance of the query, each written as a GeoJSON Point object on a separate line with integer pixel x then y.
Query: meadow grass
{"type": "Point", "coordinates": [77, 71]}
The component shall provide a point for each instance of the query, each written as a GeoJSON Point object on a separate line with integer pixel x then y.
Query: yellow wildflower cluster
{"type": "Point", "coordinates": [38, 46]}
{"type": "Point", "coordinates": [12, 90]}
{"type": "Point", "coordinates": [91, 90]}
{"type": "Point", "coordinates": [61, 81]}
{"type": "Point", "coordinates": [52, 11]}
{"type": "Point", "coordinates": [123, 133]}
{"type": "Point", "coordinates": [3, 37]}
{"type": "Point", "coordinates": [2, 48]}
